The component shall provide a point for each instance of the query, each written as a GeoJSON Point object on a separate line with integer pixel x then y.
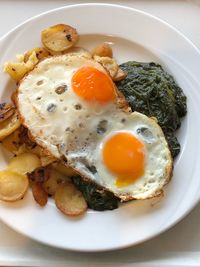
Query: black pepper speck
{"type": "Point", "coordinates": [51, 107]}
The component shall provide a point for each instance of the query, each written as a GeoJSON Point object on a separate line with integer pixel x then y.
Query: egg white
{"type": "Point", "coordinates": [158, 161]}
{"type": "Point", "coordinates": [66, 126]}
{"type": "Point", "coordinates": [48, 114]}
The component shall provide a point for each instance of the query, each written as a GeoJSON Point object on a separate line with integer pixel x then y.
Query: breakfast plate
{"type": "Point", "coordinates": [133, 35]}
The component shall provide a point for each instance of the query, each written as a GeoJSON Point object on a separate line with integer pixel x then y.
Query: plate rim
{"type": "Point", "coordinates": [21, 25]}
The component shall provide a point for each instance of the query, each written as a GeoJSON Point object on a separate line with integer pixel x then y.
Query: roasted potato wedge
{"type": "Point", "coordinates": [9, 126]}
{"type": "Point", "coordinates": [13, 186]}
{"type": "Point", "coordinates": [40, 52]}
{"type": "Point", "coordinates": [19, 69]}
{"type": "Point", "coordinates": [39, 194]}
{"type": "Point", "coordinates": [54, 180]}
{"type": "Point", "coordinates": [102, 50]}
{"type": "Point", "coordinates": [16, 70]}
{"type": "Point", "coordinates": [59, 38]}
{"type": "Point", "coordinates": [120, 75]}
{"type": "Point", "coordinates": [6, 111]}
{"type": "Point", "coordinates": [109, 64]}
{"type": "Point", "coordinates": [39, 175]}
{"type": "Point", "coordinates": [65, 170]}
{"type": "Point", "coordinates": [24, 163]}
{"type": "Point", "coordinates": [11, 142]}
{"type": "Point", "coordinates": [69, 200]}
{"type": "Point", "coordinates": [32, 61]}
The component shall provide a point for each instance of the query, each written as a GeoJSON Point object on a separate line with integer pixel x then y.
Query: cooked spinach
{"type": "Point", "coordinates": [152, 91]}
{"type": "Point", "coordinates": [96, 197]}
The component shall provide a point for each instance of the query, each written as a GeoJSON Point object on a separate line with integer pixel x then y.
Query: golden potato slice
{"type": "Point", "coordinates": [16, 70]}
{"type": "Point", "coordinates": [39, 194]}
{"type": "Point", "coordinates": [32, 61]}
{"type": "Point", "coordinates": [11, 142]}
{"type": "Point", "coordinates": [36, 150]}
{"type": "Point", "coordinates": [9, 126]}
{"type": "Point", "coordinates": [66, 170]}
{"type": "Point", "coordinates": [109, 64]}
{"type": "Point", "coordinates": [40, 52]}
{"type": "Point", "coordinates": [21, 150]}
{"type": "Point", "coordinates": [19, 69]}
{"type": "Point", "coordinates": [59, 37]}
{"type": "Point", "coordinates": [13, 186]}
{"type": "Point", "coordinates": [54, 180]}
{"type": "Point", "coordinates": [45, 158]}
{"type": "Point", "coordinates": [20, 57]}
{"type": "Point", "coordinates": [18, 142]}
{"type": "Point", "coordinates": [120, 75]}
{"type": "Point", "coordinates": [6, 111]}
{"type": "Point", "coordinates": [102, 50]}
{"type": "Point", "coordinates": [69, 200]}
{"type": "Point", "coordinates": [24, 163]}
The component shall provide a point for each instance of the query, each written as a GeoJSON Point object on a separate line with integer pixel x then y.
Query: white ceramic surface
{"type": "Point", "coordinates": [149, 39]}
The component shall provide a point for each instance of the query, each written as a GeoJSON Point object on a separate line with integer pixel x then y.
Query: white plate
{"type": "Point", "coordinates": [134, 35]}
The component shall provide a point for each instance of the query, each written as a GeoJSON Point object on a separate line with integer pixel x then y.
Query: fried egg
{"type": "Point", "coordinates": [71, 107]}
{"type": "Point", "coordinates": [51, 109]}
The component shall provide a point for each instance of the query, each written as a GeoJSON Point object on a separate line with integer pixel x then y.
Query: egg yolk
{"type": "Point", "coordinates": [124, 156]}
{"type": "Point", "coordinates": [93, 85]}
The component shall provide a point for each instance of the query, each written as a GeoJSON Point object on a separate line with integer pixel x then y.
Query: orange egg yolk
{"type": "Point", "coordinates": [93, 85]}
{"type": "Point", "coordinates": [124, 156]}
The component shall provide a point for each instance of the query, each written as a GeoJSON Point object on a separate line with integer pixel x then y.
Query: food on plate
{"type": "Point", "coordinates": [6, 111]}
{"type": "Point", "coordinates": [43, 104]}
{"type": "Point", "coordinates": [45, 95]}
{"type": "Point", "coordinates": [132, 161]}
{"type": "Point", "coordinates": [48, 182]}
{"type": "Point", "coordinates": [18, 70]}
{"type": "Point", "coordinates": [102, 50]}
{"type": "Point", "coordinates": [83, 136]}
{"type": "Point", "coordinates": [120, 75]}
{"type": "Point", "coordinates": [97, 198]}
{"type": "Point", "coordinates": [152, 91]}
{"type": "Point", "coordinates": [112, 68]}
{"type": "Point", "coordinates": [9, 125]}
{"type": "Point", "coordinates": [104, 55]}
{"type": "Point", "coordinates": [40, 53]}
{"type": "Point", "coordinates": [37, 179]}
{"type": "Point", "coordinates": [59, 38]}
{"type": "Point", "coordinates": [20, 142]}
{"type": "Point", "coordinates": [69, 200]}
{"type": "Point", "coordinates": [24, 163]}
{"type": "Point", "coordinates": [54, 179]}
{"type": "Point", "coordinates": [39, 194]}
{"type": "Point", "coordinates": [46, 159]}
{"type": "Point", "coordinates": [11, 142]}
{"type": "Point", "coordinates": [109, 64]}
{"type": "Point", "coordinates": [65, 170]}
{"type": "Point", "coordinates": [39, 175]}
{"type": "Point", "coordinates": [13, 185]}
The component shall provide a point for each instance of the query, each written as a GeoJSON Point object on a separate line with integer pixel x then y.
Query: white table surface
{"type": "Point", "coordinates": [179, 246]}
